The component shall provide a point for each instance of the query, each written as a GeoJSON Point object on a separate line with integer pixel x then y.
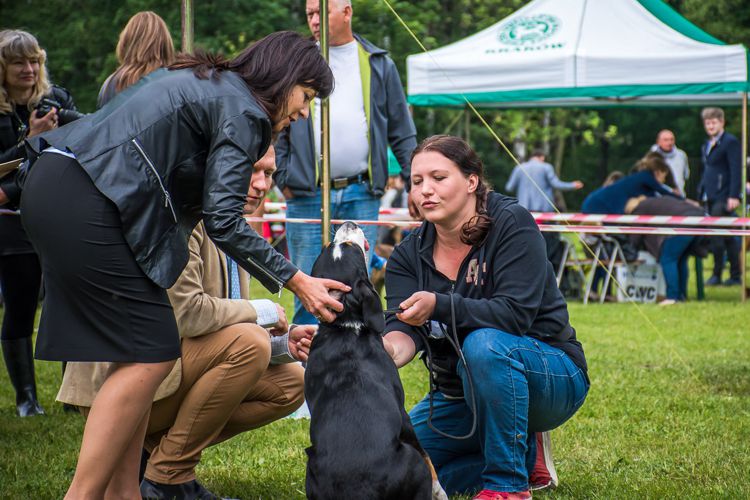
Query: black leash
{"type": "Point", "coordinates": [452, 338]}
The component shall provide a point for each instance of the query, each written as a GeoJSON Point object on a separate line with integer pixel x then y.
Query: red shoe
{"type": "Point", "coordinates": [544, 474]}
{"type": "Point", "coordinates": [503, 495]}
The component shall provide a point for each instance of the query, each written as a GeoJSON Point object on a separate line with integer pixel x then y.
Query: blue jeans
{"type": "Point", "coordinates": [674, 265]}
{"type": "Point", "coordinates": [522, 386]}
{"type": "Point", "coordinates": [354, 202]}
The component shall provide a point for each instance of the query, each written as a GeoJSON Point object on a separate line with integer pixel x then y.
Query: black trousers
{"type": "Point", "coordinates": [20, 279]}
{"type": "Point", "coordinates": [724, 245]}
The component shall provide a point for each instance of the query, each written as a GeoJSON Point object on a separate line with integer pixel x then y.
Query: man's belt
{"type": "Point", "coordinates": [342, 182]}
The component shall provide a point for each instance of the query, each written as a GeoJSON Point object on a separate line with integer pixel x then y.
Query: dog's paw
{"type": "Point", "coordinates": [438, 493]}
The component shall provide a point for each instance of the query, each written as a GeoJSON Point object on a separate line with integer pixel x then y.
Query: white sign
{"type": "Point", "coordinates": [641, 282]}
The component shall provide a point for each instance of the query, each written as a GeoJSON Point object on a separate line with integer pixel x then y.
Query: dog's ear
{"type": "Point", "coordinates": [372, 308]}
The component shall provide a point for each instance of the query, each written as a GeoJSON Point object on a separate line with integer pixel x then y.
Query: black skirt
{"type": "Point", "coordinates": [99, 305]}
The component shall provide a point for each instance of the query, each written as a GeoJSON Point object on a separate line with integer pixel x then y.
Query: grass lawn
{"type": "Point", "coordinates": [668, 416]}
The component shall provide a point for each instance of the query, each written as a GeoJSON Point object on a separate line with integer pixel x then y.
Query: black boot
{"type": "Point", "coordinates": [19, 360]}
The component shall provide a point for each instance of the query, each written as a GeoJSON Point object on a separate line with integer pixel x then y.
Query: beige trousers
{"type": "Point", "coordinates": [227, 387]}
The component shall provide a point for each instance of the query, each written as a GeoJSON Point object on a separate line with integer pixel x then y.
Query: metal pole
{"type": "Point", "coordinates": [743, 198]}
{"type": "Point", "coordinates": [325, 145]}
{"type": "Point", "coordinates": [187, 26]}
{"type": "Point", "coordinates": [467, 125]}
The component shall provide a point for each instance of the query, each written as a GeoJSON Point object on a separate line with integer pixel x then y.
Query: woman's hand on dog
{"type": "Point", "coordinates": [417, 309]}
{"type": "Point", "coordinates": [313, 293]}
{"type": "Point", "coordinates": [300, 340]}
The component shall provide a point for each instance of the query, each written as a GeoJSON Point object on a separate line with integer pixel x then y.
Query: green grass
{"type": "Point", "coordinates": [668, 416]}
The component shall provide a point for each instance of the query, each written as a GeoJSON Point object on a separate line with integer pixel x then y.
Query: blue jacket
{"type": "Point", "coordinates": [612, 199]}
{"type": "Point", "coordinates": [390, 124]}
{"type": "Point", "coordinates": [722, 169]}
{"type": "Point", "coordinates": [538, 175]}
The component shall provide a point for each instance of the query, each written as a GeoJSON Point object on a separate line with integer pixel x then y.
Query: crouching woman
{"type": "Point", "coordinates": [476, 271]}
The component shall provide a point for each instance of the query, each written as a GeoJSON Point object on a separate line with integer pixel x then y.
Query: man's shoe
{"type": "Point", "coordinates": [732, 282]}
{"type": "Point", "coordinates": [713, 281]}
{"type": "Point", "coordinates": [502, 495]}
{"type": "Point", "coordinates": [192, 490]}
{"type": "Point", "coordinates": [544, 474]}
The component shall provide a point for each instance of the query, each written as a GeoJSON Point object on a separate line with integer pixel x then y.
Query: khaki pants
{"type": "Point", "coordinates": [227, 387]}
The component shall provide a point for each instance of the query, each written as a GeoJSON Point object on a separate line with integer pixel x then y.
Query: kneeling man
{"type": "Point", "coordinates": [234, 374]}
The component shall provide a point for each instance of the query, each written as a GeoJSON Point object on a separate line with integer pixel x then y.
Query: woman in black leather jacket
{"type": "Point", "coordinates": [24, 84]}
{"type": "Point", "coordinates": [134, 179]}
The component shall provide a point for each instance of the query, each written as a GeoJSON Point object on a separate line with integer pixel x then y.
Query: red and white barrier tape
{"type": "Point", "coordinates": [666, 220]}
{"type": "Point", "coordinates": [667, 231]}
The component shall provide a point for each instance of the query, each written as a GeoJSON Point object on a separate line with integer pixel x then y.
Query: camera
{"type": "Point", "coordinates": [63, 115]}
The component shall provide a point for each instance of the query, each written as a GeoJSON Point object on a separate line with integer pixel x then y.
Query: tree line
{"type": "Point", "coordinates": [80, 38]}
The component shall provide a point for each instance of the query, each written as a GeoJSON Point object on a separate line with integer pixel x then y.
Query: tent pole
{"type": "Point", "coordinates": [187, 26]}
{"type": "Point", "coordinates": [325, 130]}
{"type": "Point", "coordinates": [743, 198]}
{"type": "Point", "coordinates": [467, 124]}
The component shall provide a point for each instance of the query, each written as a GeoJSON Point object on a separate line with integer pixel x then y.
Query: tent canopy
{"type": "Point", "coordinates": [582, 53]}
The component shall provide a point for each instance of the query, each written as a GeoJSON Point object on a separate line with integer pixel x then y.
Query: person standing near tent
{"type": "Point", "coordinates": [534, 182]}
{"type": "Point", "coordinates": [368, 113]}
{"type": "Point", "coordinates": [675, 157]}
{"type": "Point", "coordinates": [721, 190]}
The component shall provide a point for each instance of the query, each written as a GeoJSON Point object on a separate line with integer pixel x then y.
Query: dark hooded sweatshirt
{"type": "Point", "coordinates": [505, 283]}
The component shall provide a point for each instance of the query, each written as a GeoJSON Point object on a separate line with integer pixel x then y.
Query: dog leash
{"type": "Point", "coordinates": [453, 341]}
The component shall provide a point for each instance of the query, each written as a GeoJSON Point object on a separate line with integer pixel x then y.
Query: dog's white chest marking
{"type": "Point", "coordinates": [337, 253]}
{"type": "Point", "coordinates": [353, 325]}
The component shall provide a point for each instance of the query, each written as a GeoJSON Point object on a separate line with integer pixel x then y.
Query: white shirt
{"type": "Point", "coordinates": [350, 148]}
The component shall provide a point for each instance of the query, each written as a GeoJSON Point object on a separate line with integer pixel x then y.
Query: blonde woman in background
{"type": "Point", "coordinates": [145, 45]}
{"type": "Point", "coordinates": [23, 85]}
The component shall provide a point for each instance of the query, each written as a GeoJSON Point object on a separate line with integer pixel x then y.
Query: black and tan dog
{"type": "Point", "coordinates": [363, 444]}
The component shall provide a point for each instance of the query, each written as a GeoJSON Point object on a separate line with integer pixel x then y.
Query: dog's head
{"type": "Point", "coordinates": [344, 260]}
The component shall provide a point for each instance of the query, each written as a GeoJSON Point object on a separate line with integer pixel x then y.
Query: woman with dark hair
{"type": "Point", "coordinates": [23, 85]}
{"type": "Point", "coordinates": [134, 179]}
{"type": "Point", "coordinates": [145, 45]}
{"type": "Point", "coordinates": [501, 353]}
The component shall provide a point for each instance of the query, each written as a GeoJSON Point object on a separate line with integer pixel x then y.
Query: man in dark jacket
{"type": "Point", "coordinates": [368, 113]}
{"type": "Point", "coordinates": [721, 189]}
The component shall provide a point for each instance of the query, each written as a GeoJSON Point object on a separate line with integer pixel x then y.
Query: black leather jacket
{"type": "Point", "coordinates": [170, 151]}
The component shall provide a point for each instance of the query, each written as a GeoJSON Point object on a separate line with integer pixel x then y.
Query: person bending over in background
{"type": "Point", "coordinates": [672, 252]}
{"type": "Point", "coordinates": [483, 256]}
{"type": "Point", "coordinates": [651, 173]}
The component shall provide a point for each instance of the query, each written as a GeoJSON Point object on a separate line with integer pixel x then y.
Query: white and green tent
{"type": "Point", "coordinates": [582, 53]}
